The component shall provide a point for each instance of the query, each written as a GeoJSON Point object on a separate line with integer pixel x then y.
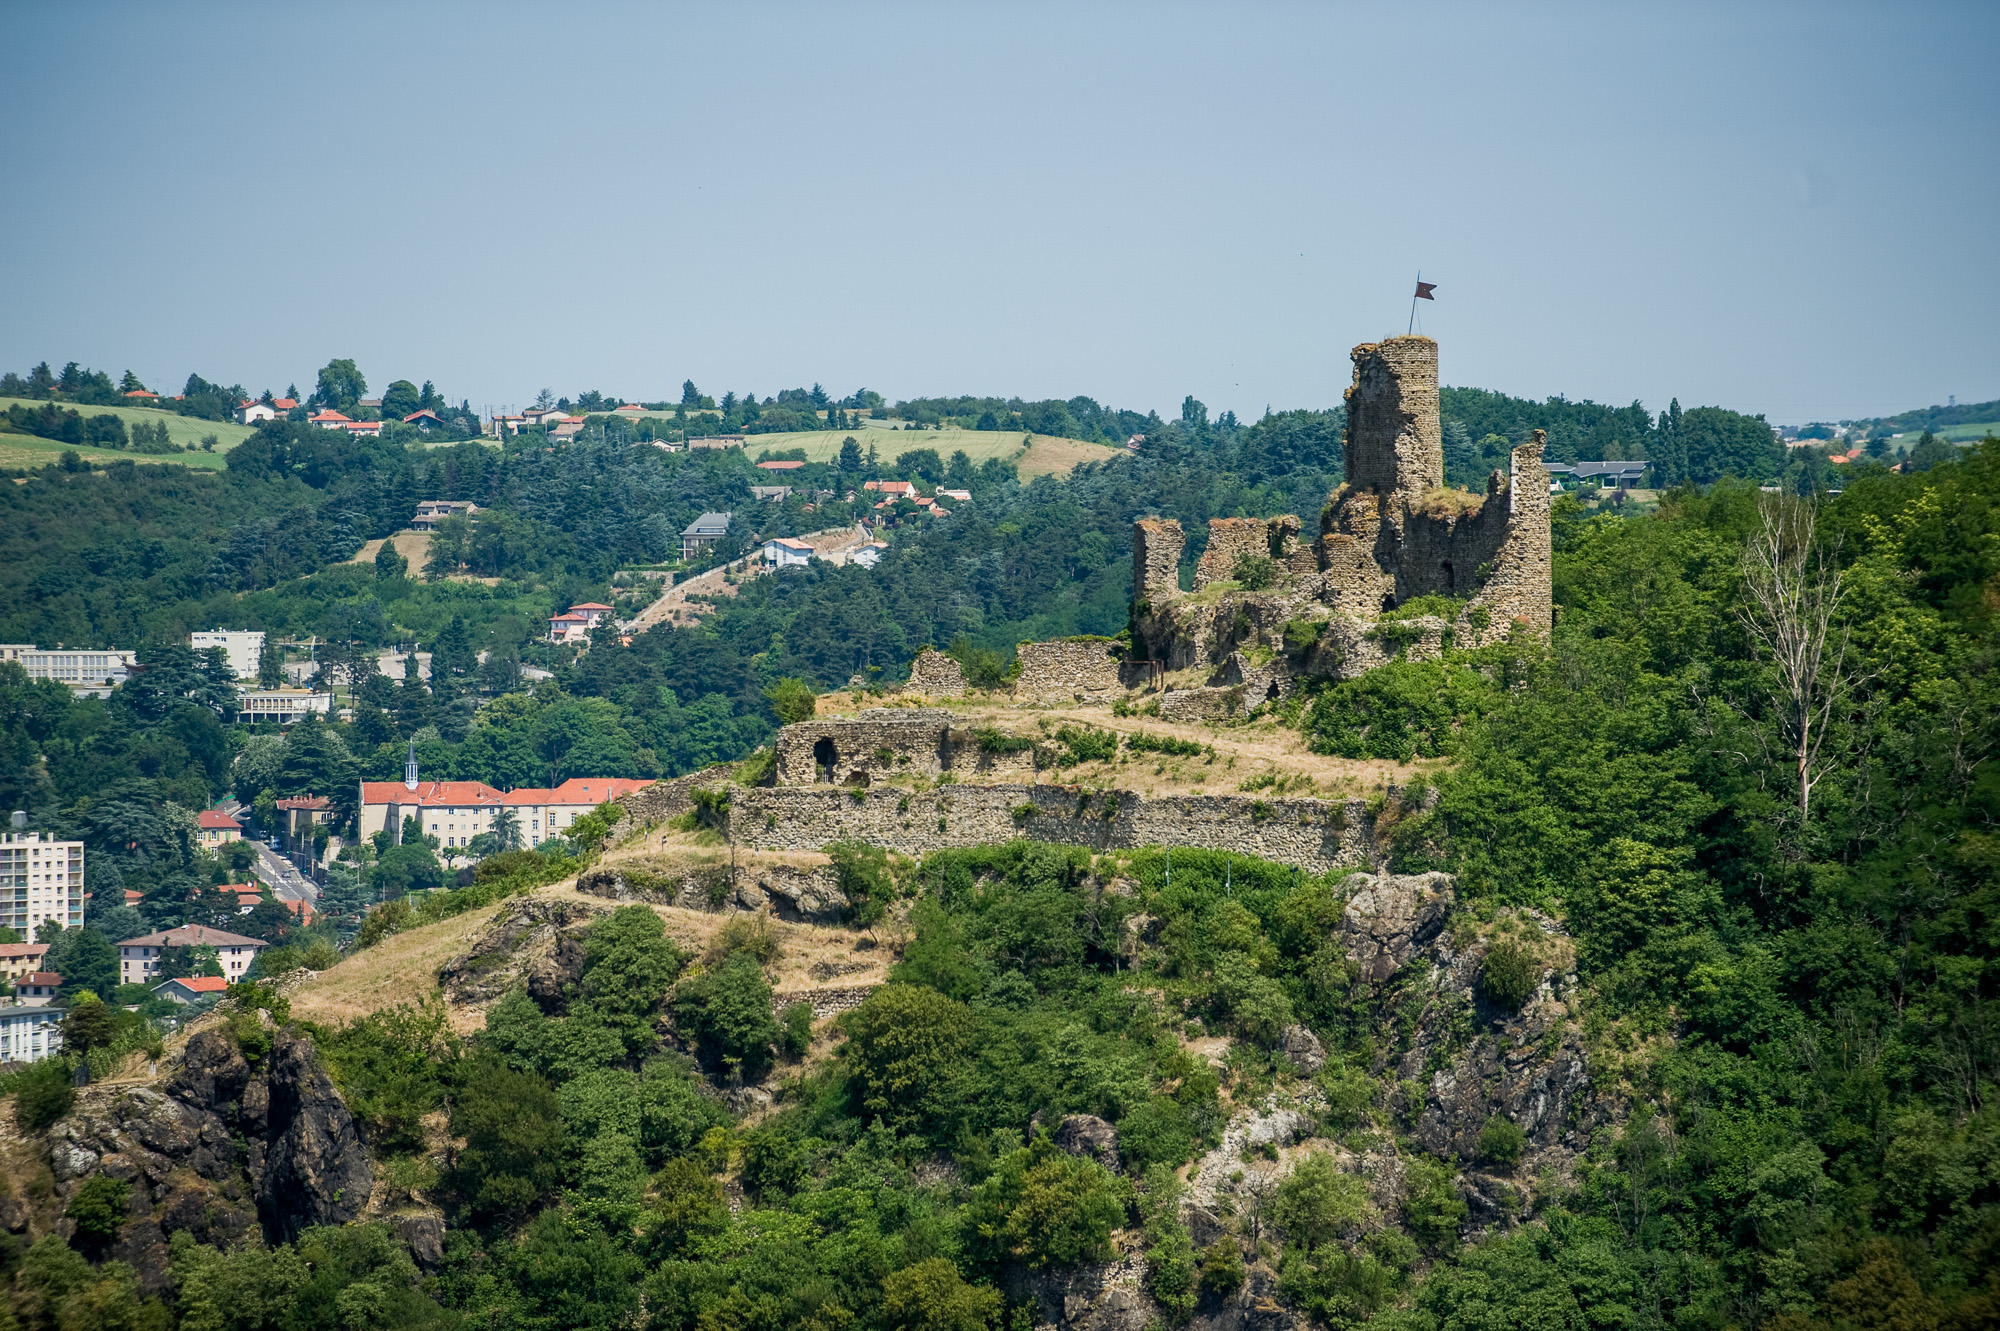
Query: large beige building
{"type": "Point", "coordinates": [40, 879]}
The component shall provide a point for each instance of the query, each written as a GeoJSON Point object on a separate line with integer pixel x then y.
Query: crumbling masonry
{"type": "Point", "coordinates": [1392, 533]}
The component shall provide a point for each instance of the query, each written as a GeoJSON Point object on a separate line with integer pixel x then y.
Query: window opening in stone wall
{"type": "Point", "coordinates": [824, 758]}
{"type": "Point", "coordinates": [1389, 600]}
{"type": "Point", "coordinates": [1450, 578]}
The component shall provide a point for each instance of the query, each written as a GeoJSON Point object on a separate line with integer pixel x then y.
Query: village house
{"type": "Point", "coordinates": [17, 959]}
{"type": "Point", "coordinates": [568, 430]}
{"type": "Point", "coordinates": [29, 1035]}
{"type": "Point", "coordinates": [962, 496]}
{"type": "Point", "coordinates": [869, 555]}
{"type": "Point", "coordinates": [191, 988]}
{"type": "Point", "coordinates": [892, 489]}
{"type": "Point", "coordinates": [250, 413]}
{"type": "Point", "coordinates": [141, 395]}
{"type": "Point", "coordinates": [569, 627]}
{"type": "Point", "coordinates": [433, 511]}
{"type": "Point", "coordinates": [363, 429]}
{"type": "Point", "coordinates": [298, 815]}
{"type": "Point", "coordinates": [703, 532]}
{"type": "Point", "coordinates": [771, 494]}
{"type": "Point", "coordinates": [216, 829]}
{"type": "Point", "coordinates": [498, 425]}
{"type": "Point", "coordinates": [787, 552]}
{"type": "Point", "coordinates": [37, 989]}
{"type": "Point", "coordinates": [329, 419]}
{"type": "Point", "coordinates": [632, 409]}
{"type": "Point", "coordinates": [717, 440]}
{"type": "Point", "coordinates": [543, 416]}
{"type": "Point", "coordinates": [139, 958]}
{"type": "Point", "coordinates": [780, 464]}
{"type": "Point", "coordinates": [425, 420]}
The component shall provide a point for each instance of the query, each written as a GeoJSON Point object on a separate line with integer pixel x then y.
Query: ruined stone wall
{"type": "Point", "coordinates": [1157, 544]}
{"type": "Point", "coordinates": [1231, 540]}
{"type": "Point", "coordinates": [664, 800]}
{"type": "Point", "coordinates": [881, 741]}
{"type": "Point", "coordinates": [1393, 438]}
{"type": "Point", "coordinates": [936, 675]}
{"type": "Point", "coordinates": [1520, 590]}
{"type": "Point", "coordinates": [1315, 835]}
{"type": "Point", "coordinates": [1066, 671]}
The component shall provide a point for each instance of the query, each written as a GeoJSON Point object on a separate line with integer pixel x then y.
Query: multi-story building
{"type": "Point", "coordinates": [17, 959]}
{"type": "Point", "coordinates": [139, 958]}
{"type": "Point", "coordinates": [37, 989]}
{"type": "Point", "coordinates": [245, 648]}
{"type": "Point", "coordinates": [30, 1034]}
{"type": "Point", "coordinates": [94, 671]}
{"type": "Point", "coordinates": [40, 879]}
{"type": "Point", "coordinates": [457, 811]}
{"type": "Point", "coordinates": [283, 706]}
{"type": "Point", "coordinates": [216, 829]}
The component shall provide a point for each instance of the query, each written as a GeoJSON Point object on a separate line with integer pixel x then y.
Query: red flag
{"type": "Point", "coordinates": [1424, 290]}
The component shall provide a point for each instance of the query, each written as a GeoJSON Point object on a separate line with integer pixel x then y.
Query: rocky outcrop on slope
{"type": "Point", "coordinates": [221, 1150]}
{"type": "Point", "coordinates": [795, 895]}
{"type": "Point", "coordinates": [533, 943]}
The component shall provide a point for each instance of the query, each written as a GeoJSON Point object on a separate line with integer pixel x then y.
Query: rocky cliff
{"type": "Point", "coordinates": [221, 1149]}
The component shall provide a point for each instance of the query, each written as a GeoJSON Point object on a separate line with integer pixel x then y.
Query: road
{"type": "Point", "coordinates": [286, 882]}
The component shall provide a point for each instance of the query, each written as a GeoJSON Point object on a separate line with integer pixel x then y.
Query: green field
{"type": "Point", "coordinates": [27, 450]}
{"type": "Point", "coordinates": [1958, 434]}
{"type": "Point", "coordinates": [183, 430]}
{"type": "Point", "coordinates": [1047, 454]}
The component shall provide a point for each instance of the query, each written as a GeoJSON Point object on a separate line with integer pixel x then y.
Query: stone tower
{"type": "Point", "coordinates": [1393, 440]}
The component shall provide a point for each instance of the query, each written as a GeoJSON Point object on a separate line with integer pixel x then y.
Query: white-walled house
{"type": "Point", "coordinates": [139, 958]}
{"type": "Point", "coordinates": [787, 552]}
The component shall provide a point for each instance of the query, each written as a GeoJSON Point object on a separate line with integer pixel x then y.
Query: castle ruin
{"type": "Point", "coordinates": [1392, 533]}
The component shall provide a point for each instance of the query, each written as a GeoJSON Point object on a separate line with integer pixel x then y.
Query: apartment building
{"type": "Point", "coordinates": [30, 1034]}
{"type": "Point", "coordinates": [139, 958]}
{"type": "Point", "coordinates": [40, 879]}
{"type": "Point", "coordinates": [244, 647]}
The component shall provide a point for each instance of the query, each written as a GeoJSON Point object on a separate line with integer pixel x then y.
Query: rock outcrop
{"type": "Point", "coordinates": [221, 1150]}
{"type": "Point", "coordinates": [533, 944]}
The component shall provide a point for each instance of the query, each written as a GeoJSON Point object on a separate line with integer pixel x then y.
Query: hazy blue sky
{"type": "Point", "coordinates": [1792, 209]}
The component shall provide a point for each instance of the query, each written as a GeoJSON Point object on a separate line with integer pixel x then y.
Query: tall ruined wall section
{"type": "Point", "coordinates": [1157, 544]}
{"type": "Point", "coordinates": [1520, 590]}
{"type": "Point", "coordinates": [887, 742]}
{"type": "Point", "coordinates": [1317, 836]}
{"type": "Point", "coordinates": [1393, 438]}
{"type": "Point", "coordinates": [1232, 540]}
{"type": "Point", "coordinates": [936, 675]}
{"type": "Point", "coordinates": [1067, 671]}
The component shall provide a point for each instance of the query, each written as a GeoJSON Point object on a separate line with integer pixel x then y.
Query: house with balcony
{"type": "Point", "coordinates": [139, 958]}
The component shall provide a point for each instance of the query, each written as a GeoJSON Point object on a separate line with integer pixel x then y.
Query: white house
{"type": "Point", "coordinates": [139, 958]}
{"type": "Point", "coordinates": [787, 552]}
{"type": "Point", "coordinates": [244, 647]}
{"type": "Point", "coordinates": [870, 554]}
{"type": "Point", "coordinates": [433, 511]}
{"type": "Point", "coordinates": [252, 412]}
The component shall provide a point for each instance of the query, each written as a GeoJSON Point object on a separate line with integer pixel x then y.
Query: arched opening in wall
{"type": "Point", "coordinates": [824, 757]}
{"type": "Point", "coordinates": [857, 777]}
{"type": "Point", "coordinates": [1450, 578]}
{"type": "Point", "coordinates": [1388, 601]}
{"type": "Point", "coordinates": [1271, 694]}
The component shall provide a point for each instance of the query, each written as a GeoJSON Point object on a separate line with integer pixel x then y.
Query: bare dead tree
{"type": "Point", "coordinates": [1792, 593]}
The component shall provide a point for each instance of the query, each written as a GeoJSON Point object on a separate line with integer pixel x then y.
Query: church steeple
{"type": "Point", "coordinates": [410, 768]}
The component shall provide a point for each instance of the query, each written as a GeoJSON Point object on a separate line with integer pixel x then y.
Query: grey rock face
{"type": "Point", "coordinates": [221, 1151]}
{"type": "Point", "coordinates": [425, 1236]}
{"type": "Point", "coordinates": [1304, 1049]}
{"type": "Point", "coordinates": [1087, 1134]}
{"type": "Point", "coordinates": [532, 943]}
{"type": "Point", "coordinates": [1390, 917]}
{"type": "Point", "coordinates": [316, 1171]}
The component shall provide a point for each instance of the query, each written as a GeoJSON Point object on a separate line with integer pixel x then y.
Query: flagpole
{"type": "Point", "coordinates": [1413, 304]}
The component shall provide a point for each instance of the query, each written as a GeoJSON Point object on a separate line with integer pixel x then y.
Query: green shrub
{"type": "Point", "coordinates": [1255, 573]}
{"type": "Point", "coordinates": [991, 739]}
{"type": "Point", "coordinates": [795, 1029]}
{"type": "Point", "coordinates": [792, 700]}
{"type": "Point", "coordinates": [42, 1094]}
{"type": "Point", "coordinates": [1510, 975]}
{"type": "Point", "coordinates": [728, 1011]}
{"type": "Point", "coordinates": [904, 1047]}
{"type": "Point", "coordinates": [1301, 634]}
{"type": "Point", "coordinates": [1222, 1266]}
{"type": "Point", "coordinates": [1501, 1141]}
{"type": "Point", "coordinates": [1085, 744]}
{"type": "Point", "coordinates": [98, 1208]}
{"type": "Point", "coordinates": [1399, 711]}
{"type": "Point", "coordinates": [1178, 748]}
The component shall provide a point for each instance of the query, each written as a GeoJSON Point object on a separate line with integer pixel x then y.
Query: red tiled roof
{"type": "Point", "coordinates": [284, 403]}
{"type": "Point", "coordinates": [594, 790]}
{"type": "Point", "coordinates": [569, 619]}
{"type": "Point", "coordinates": [305, 802]}
{"type": "Point", "coordinates": [199, 984]}
{"type": "Point", "coordinates": [210, 818]}
{"type": "Point", "coordinates": [328, 415]}
{"type": "Point", "coordinates": [142, 392]}
{"type": "Point", "coordinates": [781, 466]}
{"type": "Point", "coordinates": [49, 978]}
{"type": "Point", "coordinates": [590, 605]}
{"type": "Point", "coordinates": [429, 793]}
{"type": "Point", "coordinates": [193, 935]}
{"type": "Point", "coordinates": [631, 406]}
{"type": "Point", "coordinates": [132, 896]}
{"type": "Point", "coordinates": [425, 412]}
{"type": "Point", "coordinates": [15, 951]}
